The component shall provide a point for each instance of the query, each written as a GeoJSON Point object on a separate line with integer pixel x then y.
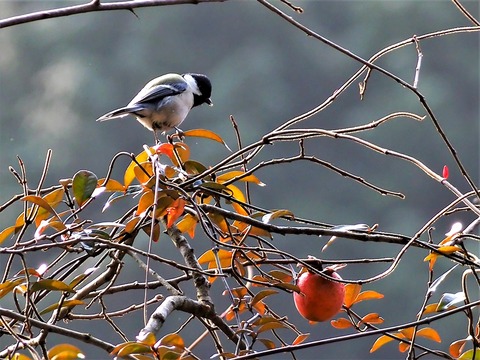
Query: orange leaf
{"type": "Point", "coordinates": [175, 211]}
{"type": "Point", "coordinates": [270, 326]}
{"type": "Point", "coordinates": [407, 332]}
{"type": "Point", "coordinates": [456, 348]}
{"type": "Point", "coordinates": [300, 339]}
{"type": "Point", "coordinates": [260, 307]}
{"type": "Point", "coordinates": [207, 134]}
{"type": "Point", "coordinates": [269, 344]}
{"type": "Point", "coordinates": [430, 334]}
{"type": "Point", "coordinates": [341, 323]}
{"type": "Point", "coordinates": [209, 257]}
{"type": "Point", "coordinates": [368, 295]}
{"type": "Point", "coordinates": [165, 149]}
{"type": "Point", "coordinates": [402, 347]}
{"type": "Point", "coordinates": [372, 318]}
{"type": "Point", "coordinates": [131, 225]}
{"type": "Point", "coordinates": [145, 202]}
{"type": "Point", "coordinates": [281, 275]}
{"type": "Point", "coordinates": [262, 294]}
{"type": "Point", "coordinates": [155, 236]}
{"type": "Point", "coordinates": [382, 340]}
{"type": "Point", "coordinates": [351, 293]}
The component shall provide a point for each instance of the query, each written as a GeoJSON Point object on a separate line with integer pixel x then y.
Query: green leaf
{"type": "Point", "coordinates": [83, 186]}
{"type": "Point", "coordinates": [9, 285]}
{"type": "Point", "coordinates": [469, 355]}
{"type": "Point", "coordinates": [50, 284]}
{"type": "Point", "coordinates": [65, 304]}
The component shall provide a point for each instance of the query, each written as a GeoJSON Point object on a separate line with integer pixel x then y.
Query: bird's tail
{"type": "Point", "coordinates": [115, 114]}
{"type": "Point", "coordinates": [122, 112]}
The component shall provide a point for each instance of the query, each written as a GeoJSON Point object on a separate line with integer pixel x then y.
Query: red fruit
{"type": "Point", "coordinates": [320, 299]}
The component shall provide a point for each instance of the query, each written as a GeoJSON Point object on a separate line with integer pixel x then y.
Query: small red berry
{"type": "Point", "coordinates": [445, 172]}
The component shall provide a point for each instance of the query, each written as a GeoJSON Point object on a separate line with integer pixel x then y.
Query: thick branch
{"type": "Point", "coordinates": [190, 306]}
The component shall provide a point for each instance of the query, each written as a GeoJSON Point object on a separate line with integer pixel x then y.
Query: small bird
{"type": "Point", "coordinates": [165, 101]}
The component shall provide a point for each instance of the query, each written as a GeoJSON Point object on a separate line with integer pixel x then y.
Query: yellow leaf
{"type": "Point", "coordinates": [64, 352]}
{"type": "Point", "coordinates": [129, 175]}
{"type": "Point", "coordinates": [148, 339]}
{"type": "Point", "coordinates": [111, 185]}
{"type": "Point", "coordinates": [6, 233]}
{"type": "Point", "coordinates": [431, 308]}
{"type": "Point", "coordinates": [131, 348]}
{"type": "Point", "coordinates": [188, 224]}
{"type": "Point", "coordinates": [237, 173]}
{"type": "Point", "coordinates": [18, 356]}
{"type": "Point", "coordinates": [173, 340]}
{"type": "Point", "coordinates": [382, 340]}
{"type": "Point", "coordinates": [449, 249]}
{"type": "Point", "coordinates": [9, 285]}
{"type": "Point", "coordinates": [238, 195]}
{"type": "Point", "coordinates": [143, 172]}
{"type": "Point", "coordinates": [37, 200]}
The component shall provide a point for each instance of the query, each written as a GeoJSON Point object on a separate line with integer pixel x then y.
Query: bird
{"type": "Point", "coordinates": [165, 101]}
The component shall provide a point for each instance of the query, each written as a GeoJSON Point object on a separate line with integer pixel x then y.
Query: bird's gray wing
{"type": "Point", "coordinates": [159, 92]}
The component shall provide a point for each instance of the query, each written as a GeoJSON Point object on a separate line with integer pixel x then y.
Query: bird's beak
{"type": "Point", "coordinates": [209, 102]}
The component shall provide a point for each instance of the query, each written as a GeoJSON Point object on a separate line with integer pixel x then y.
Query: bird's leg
{"type": "Point", "coordinates": [180, 133]}
{"type": "Point", "coordinates": [157, 140]}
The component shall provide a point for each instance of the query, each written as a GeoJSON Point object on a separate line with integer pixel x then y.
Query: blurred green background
{"type": "Point", "coordinates": [57, 76]}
